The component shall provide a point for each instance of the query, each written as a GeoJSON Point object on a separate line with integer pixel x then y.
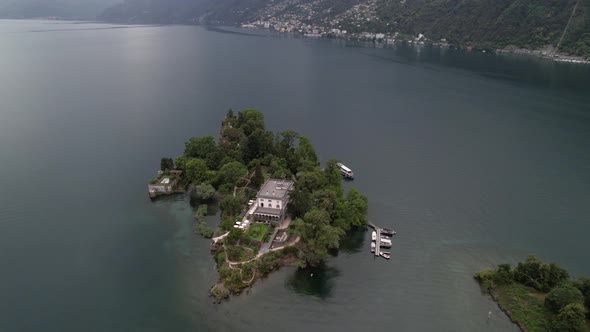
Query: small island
{"type": "Point", "coordinates": [538, 296]}
{"type": "Point", "coordinates": [278, 206]}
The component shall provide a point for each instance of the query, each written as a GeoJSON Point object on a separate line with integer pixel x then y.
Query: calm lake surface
{"type": "Point", "coordinates": [474, 159]}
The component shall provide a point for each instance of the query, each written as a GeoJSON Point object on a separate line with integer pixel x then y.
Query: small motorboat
{"type": "Point", "coordinates": [386, 255]}
{"type": "Point", "coordinates": [372, 246]}
{"type": "Point", "coordinates": [374, 236]}
{"type": "Point", "coordinates": [386, 231]}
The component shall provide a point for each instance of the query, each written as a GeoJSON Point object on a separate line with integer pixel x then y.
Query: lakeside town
{"type": "Point", "coordinates": [361, 23]}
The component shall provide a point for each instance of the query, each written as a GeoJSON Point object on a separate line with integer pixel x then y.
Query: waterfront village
{"type": "Point", "coordinates": [278, 207]}
{"type": "Point", "coordinates": [362, 23]}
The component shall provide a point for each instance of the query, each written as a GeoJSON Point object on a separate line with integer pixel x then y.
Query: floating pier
{"type": "Point", "coordinates": [376, 247]}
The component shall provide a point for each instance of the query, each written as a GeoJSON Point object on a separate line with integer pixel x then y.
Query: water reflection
{"type": "Point", "coordinates": [317, 281]}
{"type": "Point", "coordinates": [353, 241]}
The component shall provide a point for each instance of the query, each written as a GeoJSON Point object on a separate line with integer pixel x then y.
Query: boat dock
{"type": "Point", "coordinates": [379, 231]}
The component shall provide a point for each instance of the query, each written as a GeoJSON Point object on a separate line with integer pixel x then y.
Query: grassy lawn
{"type": "Point", "coordinates": [256, 231]}
{"type": "Point", "coordinates": [525, 306]}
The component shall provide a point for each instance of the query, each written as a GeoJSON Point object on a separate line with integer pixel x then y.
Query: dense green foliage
{"type": "Point", "coordinates": [203, 193]}
{"type": "Point", "coordinates": [201, 226]}
{"type": "Point", "coordinates": [539, 275]}
{"type": "Point", "coordinates": [525, 306]}
{"type": "Point", "coordinates": [537, 295]}
{"type": "Point", "coordinates": [561, 296]}
{"type": "Point", "coordinates": [570, 319]}
{"type": "Point", "coordinates": [166, 164]}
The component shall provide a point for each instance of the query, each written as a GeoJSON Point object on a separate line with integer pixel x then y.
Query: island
{"type": "Point", "coordinates": [278, 205]}
{"type": "Point", "coordinates": [538, 296]}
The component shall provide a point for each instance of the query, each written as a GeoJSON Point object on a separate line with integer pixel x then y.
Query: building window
{"type": "Point", "coordinates": [278, 206]}
{"type": "Point", "coordinates": [261, 204]}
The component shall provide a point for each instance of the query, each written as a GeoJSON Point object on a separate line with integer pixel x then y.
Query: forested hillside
{"type": "Point", "coordinates": [494, 23]}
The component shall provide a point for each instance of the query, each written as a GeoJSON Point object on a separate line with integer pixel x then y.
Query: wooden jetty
{"type": "Point", "coordinates": [378, 243]}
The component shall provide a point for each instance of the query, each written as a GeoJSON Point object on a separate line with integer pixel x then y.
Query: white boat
{"type": "Point", "coordinates": [345, 171]}
{"type": "Point", "coordinates": [372, 246]}
{"type": "Point", "coordinates": [385, 240]}
{"type": "Point", "coordinates": [374, 236]}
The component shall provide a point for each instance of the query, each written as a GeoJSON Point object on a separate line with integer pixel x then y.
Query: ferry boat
{"type": "Point", "coordinates": [345, 171]}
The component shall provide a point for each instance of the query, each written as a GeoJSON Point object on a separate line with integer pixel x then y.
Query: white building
{"type": "Point", "coordinates": [271, 201]}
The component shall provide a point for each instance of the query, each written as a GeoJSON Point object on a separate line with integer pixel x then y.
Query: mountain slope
{"type": "Point", "coordinates": [67, 9]}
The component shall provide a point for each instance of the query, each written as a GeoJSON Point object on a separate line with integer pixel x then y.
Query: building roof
{"type": "Point", "coordinates": [275, 189]}
{"type": "Point", "coordinates": [269, 211]}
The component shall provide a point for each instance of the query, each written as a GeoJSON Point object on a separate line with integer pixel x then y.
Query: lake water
{"type": "Point", "coordinates": [474, 159]}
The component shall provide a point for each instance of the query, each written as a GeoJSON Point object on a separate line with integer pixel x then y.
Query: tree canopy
{"type": "Point", "coordinates": [561, 296]}
{"type": "Point", "coordinates": [539, 275]}
{"type": "Point", "coordinates": [570, 319]}
{"type": "Point", "coordinates": [317, 233]}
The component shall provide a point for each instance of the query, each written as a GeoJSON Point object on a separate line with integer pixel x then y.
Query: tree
{"type": "Point", "coordinates": [258, 178]}
{"type": "Point", "coordinates": [317, 234]}
{"type": "Point", "coordinates": [235, 234]}
{"type": "Point", "coordinates": [196, 170]}
{"type": "Point", "coordinates": [231, 173]}
{"type": "Point", "coordinates": [200, 147]}
{"type": "Point", "coordinates": [351, 211]}
{"type": "Point", "coordinates": [279, 169]}
{"type": "Point", "coordinates": [539, 275]}
{"type": "Point", "coordinates": [311, 181]}
{"type": "Point", "coordinates": [332, 173]}
{"type": "Point", "coordinates": [570, 319]}
{"type": "Point", "coordinates": [181, 163]}
{"type": "Point", "coordinates": [286, 149]}
{"type": "Point", "coordinates": [583, 284]}
{"type": "Point", "coordinates": [230, 206]}
{"type": "Point", "coordinates": [561, 296]}
{"type": "Point", "coordinates": [299, 202]}
{"type": "Point", "coordinates": [250, 120]}
{"type": "Point", "coordinates": [203, 193]}
{"type": "Point", "coordinates": [258, 145]}
{"type": "Point", "coordinates": [305, 154]}
{"type": "Point", "coordinates": [166, 164]}
{"type": "Point", "coordinates": [503, 275]}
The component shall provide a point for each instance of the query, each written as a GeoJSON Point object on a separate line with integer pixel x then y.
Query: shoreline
{"type": "Point", "coordinates": [370, 38]}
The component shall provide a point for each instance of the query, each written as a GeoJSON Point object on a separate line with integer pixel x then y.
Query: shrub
{"type": "Point", "coordinates": [570, 319]}
{"type": "Point", "coordinates": [561, 296]}
{"type": "Point", "coordinates": [219, 292]}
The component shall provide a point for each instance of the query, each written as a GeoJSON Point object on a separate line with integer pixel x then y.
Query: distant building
{"type": "Point", "coordinates": [272, 200]}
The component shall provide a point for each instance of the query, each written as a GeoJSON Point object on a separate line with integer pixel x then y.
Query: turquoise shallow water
{"type": "Point", "coordinates": [474, 159]}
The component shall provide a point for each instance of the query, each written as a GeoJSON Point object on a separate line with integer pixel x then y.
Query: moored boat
{"type": "Point", "coordinates": [386, 231]}
{"type": "Point", "coordinates": [345, 171]}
